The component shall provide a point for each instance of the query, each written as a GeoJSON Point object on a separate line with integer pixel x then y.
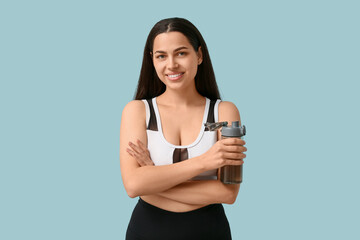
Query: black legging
{"type": "Point", "coordinates": [152, 223]}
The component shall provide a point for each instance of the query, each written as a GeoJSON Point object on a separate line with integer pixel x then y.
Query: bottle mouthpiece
{"type": "Point", "coordinates": [215, 126]}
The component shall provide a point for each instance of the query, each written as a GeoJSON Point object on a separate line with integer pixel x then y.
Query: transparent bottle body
{"type": "Point", "coordinates": [231, 174]}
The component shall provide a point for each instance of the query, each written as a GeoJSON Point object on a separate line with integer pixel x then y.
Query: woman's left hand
{"type": "Point", "coordinates": [140, 153]}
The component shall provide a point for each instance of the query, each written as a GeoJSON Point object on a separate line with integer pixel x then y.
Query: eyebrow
{"type": "Point", "coordinates": [177, 49]}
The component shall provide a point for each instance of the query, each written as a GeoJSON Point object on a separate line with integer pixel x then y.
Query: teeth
{"type": "Point", "coordinates": [174, 76]}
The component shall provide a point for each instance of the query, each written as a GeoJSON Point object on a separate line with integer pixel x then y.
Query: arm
{"type": "Point", "coordinates": [229, 112]}
{"type": "Point", "coordinates": [199, 192]}
{"type": "Point", "coordinates": [202, 192]}
{"type": "Point", "coordinates": [208, 192]}
{"type": "Point", "coordinates": [148, 179]}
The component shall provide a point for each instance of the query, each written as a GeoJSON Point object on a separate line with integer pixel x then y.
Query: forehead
{"type": "Point", "coordinates": [170, 41]}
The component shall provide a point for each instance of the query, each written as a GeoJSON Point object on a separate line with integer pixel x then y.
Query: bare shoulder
{"type": "Point", "coordinates": [227, 106]}
{"type": "Point", "coordinates": [228, 112]}
{"type": "Point", "coordinates": [134, 109]}
{"type": "Point", "coordinates": [133, 122]}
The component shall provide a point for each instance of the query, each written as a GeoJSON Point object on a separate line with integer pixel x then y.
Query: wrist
{"type": "Point", "coordinates": [199, 163]}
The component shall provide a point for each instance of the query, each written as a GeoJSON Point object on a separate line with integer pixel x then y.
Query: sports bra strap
{"type": "Point", "coordinates": [151, 123]}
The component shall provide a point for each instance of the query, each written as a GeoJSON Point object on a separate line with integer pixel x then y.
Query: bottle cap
{"type": "Point", "coordinates": [234, 130]}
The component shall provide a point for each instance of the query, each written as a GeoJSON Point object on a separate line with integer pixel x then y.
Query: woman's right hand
{"type": "Point", "coordinates": [228, 151]}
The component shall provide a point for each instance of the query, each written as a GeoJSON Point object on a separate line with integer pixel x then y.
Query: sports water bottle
{"type": "Point", "coordinates": [231, 174]}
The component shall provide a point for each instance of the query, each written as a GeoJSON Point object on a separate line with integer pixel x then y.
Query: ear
{"type": "Point", "coordinates": [200, 55]}
{"type": "Point", "coordinates": [151, 57]}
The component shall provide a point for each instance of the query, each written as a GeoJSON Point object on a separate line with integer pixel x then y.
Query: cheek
{"type": "Point", "coordinates": [193, 67]}
{"type": "Point", "coordinates": [159, 69]}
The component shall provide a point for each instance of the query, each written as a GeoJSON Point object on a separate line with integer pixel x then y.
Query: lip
{"type": "Point", "coordinates": [174, 78]}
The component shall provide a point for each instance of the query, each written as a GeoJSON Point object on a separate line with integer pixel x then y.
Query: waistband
{"type": "Point", "coordinates": [206, 208]}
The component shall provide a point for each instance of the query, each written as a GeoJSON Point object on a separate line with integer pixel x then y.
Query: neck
{"type": "Point", "coordinates": [173, 97]}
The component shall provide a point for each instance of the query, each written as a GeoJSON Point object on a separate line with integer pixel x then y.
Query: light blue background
{"type": "Point", "coordinates": [68, 68]}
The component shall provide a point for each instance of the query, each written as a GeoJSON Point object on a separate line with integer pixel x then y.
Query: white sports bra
{"type": "Point", "coordinates": [163, 153]}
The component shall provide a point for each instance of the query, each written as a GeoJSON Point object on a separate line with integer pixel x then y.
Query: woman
{"type": "Point", "coordinates": [167, 157]}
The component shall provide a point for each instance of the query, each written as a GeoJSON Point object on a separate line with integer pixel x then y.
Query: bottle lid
{"type": "Point", "coordinates": [234, 130]}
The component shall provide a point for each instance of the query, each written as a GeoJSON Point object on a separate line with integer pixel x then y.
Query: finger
{"type": "Point", "coordinates": [130, 152]}
{"type": "Point", "coordinates": [134, 147]}
{"type": "Point", "coordinates": [234, 162]}
{"type": "Point", "coordinates": [139, 160]}
{"type": "Point", "coordinates": [136, 156]}
{"type": "Point", "coordinates": [149, 162]}
{"type": "Point", "coordinates": [142, 146]}
{"type": "Point", "coordinates": [142, 164]}
{"type": "Point", "coordinates": [235, 148]}
{"type": "Point", "coordinates": [140, 143]}
{"type": "Point", "coordinates": [144, 159]}
{"type": "Point", "coordinates": [234, 156]}
{"type": "Point", "coordinates": [233, 141]}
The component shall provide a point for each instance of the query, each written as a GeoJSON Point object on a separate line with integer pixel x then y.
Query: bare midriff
{"type": "Point", "coordinates": [168, 204]}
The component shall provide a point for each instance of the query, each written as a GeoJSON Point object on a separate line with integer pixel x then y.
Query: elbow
{"type": "Point", "coordinates": [231, 199]}
{"type": "Point", "coordinates": [131, 194]}
{"type": "Point", "coordinates": [231, 194]}
{"type": "Point", "coordinates": [134, 186]}
{"type": "Point", "coordinates": [131, 189]}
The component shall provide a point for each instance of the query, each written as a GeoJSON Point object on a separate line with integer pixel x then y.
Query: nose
{"type": "Point", "coordinates": [172, 63]}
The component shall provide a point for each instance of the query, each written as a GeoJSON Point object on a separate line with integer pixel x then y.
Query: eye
{"type": "Point", "coordinates": [182, 53]}
{"type": "Point", "coordinates": [160, 56]}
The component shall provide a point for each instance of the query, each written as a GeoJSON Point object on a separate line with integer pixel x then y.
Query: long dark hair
{"type": "Point", "coordinates": [149, 84]}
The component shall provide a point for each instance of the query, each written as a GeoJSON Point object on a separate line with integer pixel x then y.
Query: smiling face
{"type": "Point", "coordinates": [175, 60]}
